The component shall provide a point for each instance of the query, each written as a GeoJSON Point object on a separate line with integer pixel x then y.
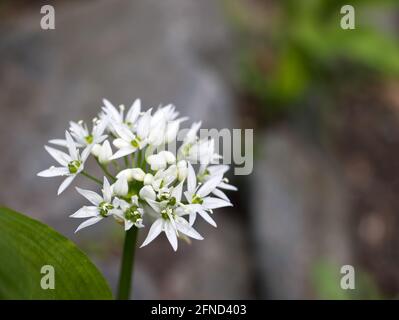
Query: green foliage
{"type": "Point", "coordinates": [306, 47]}
{"type": "Point", "coordinates": [326, 278]}
{"type": "Point", "coordinates": [26, 245]}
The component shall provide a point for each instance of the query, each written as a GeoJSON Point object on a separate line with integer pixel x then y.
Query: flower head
{"type": "Point", "coordinates": [143, 183]}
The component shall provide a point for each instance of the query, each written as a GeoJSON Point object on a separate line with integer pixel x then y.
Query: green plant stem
{"type": "Point", "coordinates": [126, 272]}
{"type": "Point", "coordinates": [116, 165]}
{"type": "Point", "coordinates": [126, 159]}
{"type": "Point", "coordinates": [84, 173]}
{"type": "Point", "coordinates": [133, 162]}
{"type": "Point", "coordinates": [104, 168]}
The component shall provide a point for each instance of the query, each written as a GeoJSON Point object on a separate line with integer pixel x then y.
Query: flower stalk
{"type": "Point", "coordinates": [127, 264]}
{"type": "Point", "coordinates": [89, 176]}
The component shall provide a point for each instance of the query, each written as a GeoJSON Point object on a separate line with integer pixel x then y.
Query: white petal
{"type": "Point", "coordinates": [111, 110]}
{"type": "Point", "coordinates": [177, 192]}
{"type": "Point", "coordinates": [88, 223]}
{"type": "Point", "coordinates": [207, 217]}
{"type": "Point", "coordinates": [59, 142]}
{"type": "Point", "coordinates": [157, 162]}
{"type": "Point", "coordinates": [105, 153]}
{"type": "Point", "coordinates": [191, 179]}
{"type": "Point", "coordinates": [147, 192]}
{"type": "Point", "coordinates": [54, 172]}
{"type": "Point", "coordinates": [65, 184]}
{"type": "Point", "coordinates": [184, 227]}
{"type": "Point", "coordinates": [154, 232]}
{"type": "Point", "coordinates": [192, 133]}
{"type": "Point", "coordinates": [128, 224]}
{"type": "Point", "coordinates": [220, 194]}
{"type": "Point", "coordinates": [134, 111]}
{"type": "Point", "coordinates": [214, 203]}
{"type": "Point", "coordinates": [100, 139]}
{"type": "Point", "coordinates": [137, 174]}
{"type": "Point", "coordinates": [143, 126]}
{"type": "Point", "coordinates": [61, 157]}
{"type": "Point", "coordinates": [172, 130]}
{"type": "Point", "coordinates": [99, 128]}
{"type": "Point", "coordinates": [121, 187]}
{"type": "Point", "coordinates": [95, 151]}
{"type": "Point", "coordinates": [209, 186]}
{"type": "Point", "coordinates": [124, 132]}
{"type": "Point", "coordinates": [168, 156]}
{"type": "Point", "coordinates": [148, 179]}
{"type": "Point", "coordinates": [226, 186]}
{"type": "Point", "coordinates": [218, 169]}
{"type": "Point", "coordinates": [85, 212]}
{"type": "Point", "coordinates": [71, 146]}
{"type": "Point", "coordinates": [171, 235]}
{"type": "Point", "coordinates": [93, 197]}
{"type": "Point", "coordinates": [154, 205]}
{"type": "Point", "coordinates": [78, 130]}
{"type": "Point", "coordinates": [107, 192]}
{"type": "Point", "coordinates": [192, 217]}
{"type": "Point", "coordinates": [121, 143]}
{"type": "Point", "coordinates": [86, 152]}
{"type": "Point", "coordinates": [123, 152]}
{"type": "Point", "coordinates": [188, 195]}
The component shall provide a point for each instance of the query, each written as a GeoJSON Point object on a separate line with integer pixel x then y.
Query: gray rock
{"type": "Point", "coordinates": [299, 214]}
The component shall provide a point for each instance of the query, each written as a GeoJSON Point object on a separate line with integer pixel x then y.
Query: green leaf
{"type": "Point", "coordinates": [26, 245]}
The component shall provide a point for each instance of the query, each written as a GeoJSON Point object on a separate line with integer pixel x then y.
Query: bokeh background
{"type": "Point", "coordinates": [323, 103]}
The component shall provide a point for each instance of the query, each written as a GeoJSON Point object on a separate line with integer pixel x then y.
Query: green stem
{"type": "Point", "coordinates": [91, 177]}
{"type": "Point", "coordinates": [126, 272]}
{"type": "Point", "coordinates": [116, 165]}
{"type": "Point", "coordinates": [132, 156]}
{"type": "Point", "coordinates": [126, 161]}
{"type": "Point", "coordinates": [104, 168]}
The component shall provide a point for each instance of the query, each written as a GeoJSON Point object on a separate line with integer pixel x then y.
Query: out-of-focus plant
{"type": "Point", "coordinates": [294, 48]}
{"type": "Point", "coordinates": [326, 279]}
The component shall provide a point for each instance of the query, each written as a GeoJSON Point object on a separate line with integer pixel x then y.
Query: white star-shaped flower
{"type": "Point", "coordinates": [169, 219]}
{"type": "Point", "coordinates": [102, 206]}
{"type": "Point", "coordinates": [71, 164]}
{"type": "Point", "coordinates": [128, 142]}
{"type": "Point", "coordinates": [83, 137]}
{"type": "Point", "coordinates": [198, 197]}
{"type": "Point", "coordinates": [130, 214]}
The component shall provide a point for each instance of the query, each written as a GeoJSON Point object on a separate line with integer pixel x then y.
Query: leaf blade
{"type": "Point", "coordinates": [26, 245]}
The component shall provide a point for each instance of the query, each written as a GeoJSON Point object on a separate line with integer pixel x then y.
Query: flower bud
{"type": "Point", "coordinates": [182, 170]}
{"type": "Point", "coordinates": [125, 173]}
{"type": "Point", "coordinates": [168, 156]}
{"type": "Point", "coordinates": [148, 179]}
{"type": "Point", "coordinates": [105, 153]}
{"type": "Point", "coordinates": [157, 162]}
{"type": "Point", "coordinates": [95, 151]}
{"type": "Point", "coordinates": [137, 174]}
{"type": "Point", "coordinates": [147, 192]}
{"type": "Point", "coordinates": [121, 187]}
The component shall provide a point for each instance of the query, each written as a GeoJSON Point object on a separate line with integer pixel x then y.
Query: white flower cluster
{"type": "Point", "coordinates": [140, 184]}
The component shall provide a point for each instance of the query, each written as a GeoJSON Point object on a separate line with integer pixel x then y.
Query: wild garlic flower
{"type": "Point", "coordinates": [143, 183]}
{"type": "Point", "coordinates": [102, 206]}
{"type": "Point", "coordinates": [71, 164]}
{"type": "Point", "coordinates": [83, 137]}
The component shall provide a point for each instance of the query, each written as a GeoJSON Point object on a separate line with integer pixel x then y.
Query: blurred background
{"type": "Point", "coordinates": [323, 103]}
